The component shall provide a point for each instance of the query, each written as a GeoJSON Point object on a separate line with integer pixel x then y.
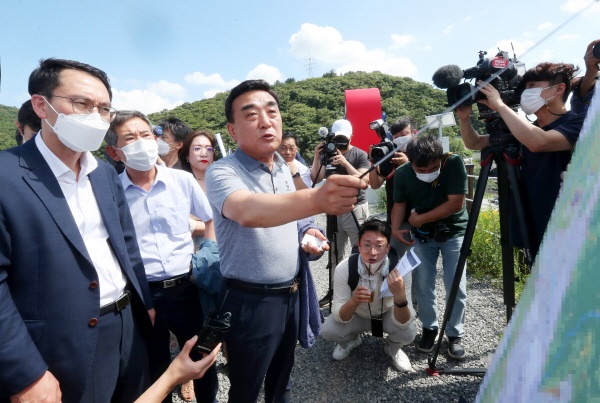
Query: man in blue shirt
{"type": "Point", "coordinates": [161, 200]}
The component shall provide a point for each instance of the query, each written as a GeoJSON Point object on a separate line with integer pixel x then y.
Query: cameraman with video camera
{"type": "Point", "coordinates": [345, 160]}
{"type": "Point", "coordinates": [402, 131]}
{"type": "Point", "coordinates": [545, 146]}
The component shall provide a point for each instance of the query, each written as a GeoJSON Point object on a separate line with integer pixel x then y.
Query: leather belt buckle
{"type": "Point", "coordinates": [170, 283]}
{"type": "Point", "coordinates": [122, 302]}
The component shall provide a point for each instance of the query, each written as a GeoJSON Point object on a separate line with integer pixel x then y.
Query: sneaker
{"type": "Point", "coordinates": [340, 353]}
{"type": "Point", "coordinates": [326, 300]}
{"type": "Point", "coordinates": [400, 359]}
{"type": "Point", "coordinates": [428, 337]}
{"type": "Point", "coordinates": [455, 348]}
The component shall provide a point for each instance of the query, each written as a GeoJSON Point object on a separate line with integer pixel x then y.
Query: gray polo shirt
{"type": "Point", "coordinates": [257, 255]}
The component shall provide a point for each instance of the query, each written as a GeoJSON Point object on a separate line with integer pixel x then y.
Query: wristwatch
{"type": "Point", "coordinates": [402, 304]}
{"type": "Point", "coordinates": [296, 175]}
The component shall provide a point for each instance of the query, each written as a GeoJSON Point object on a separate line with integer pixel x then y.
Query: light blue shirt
{"type": "Point", "coordinates": [257, 255]}
{"type": "Point", "coordinates": [161, 220]}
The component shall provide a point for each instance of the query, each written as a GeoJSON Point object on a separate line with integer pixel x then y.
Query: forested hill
{"type": "Point", "coordinates": [306, 105]}
{"type": "Point", "coordinates": [8, 117]}
{"type": "Point", "coordinates": [309, 104]}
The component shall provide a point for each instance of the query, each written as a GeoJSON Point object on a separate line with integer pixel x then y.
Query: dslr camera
{"type": "Point", "coordinates": [331, 145]}
{"type": "Point", "coordinates": [381, 150]}
{"type": "Point", "coordinates": [439, 232]}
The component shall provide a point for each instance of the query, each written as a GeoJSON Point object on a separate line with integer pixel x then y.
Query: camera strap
{"type": "Point", "coordinates": [443, 163]}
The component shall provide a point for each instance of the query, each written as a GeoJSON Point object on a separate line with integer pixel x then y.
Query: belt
{"type": "Point", "coordinates": [289, 288]}
{"type": "Point", "coordinates": [168, 283]}
{"type": "Point", "coordinates": [117, 305]}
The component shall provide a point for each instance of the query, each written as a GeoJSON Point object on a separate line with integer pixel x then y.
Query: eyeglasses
{"type": "Point", "coordinates": [291, 149]}
{"type": "Point", "coordinates": [83, 106]}
{"type": "Point", "coordinates": [208, 149]}
{"type": "Point", "coordinates": [366, 247]}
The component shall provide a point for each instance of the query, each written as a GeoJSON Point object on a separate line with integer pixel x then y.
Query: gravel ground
{"type": "Point", "coordinates": [367, 375]}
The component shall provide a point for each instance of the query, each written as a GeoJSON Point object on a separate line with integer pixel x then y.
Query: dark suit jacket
{"type": "Point", "coordinates": [46, 301]}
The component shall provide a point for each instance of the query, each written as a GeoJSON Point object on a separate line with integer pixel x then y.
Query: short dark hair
{"type": "Point", "coordinates": [44, 79]}
{"type": "Point", "coordinates": [27, 117]}
{"type": "Point", "coordinates": [120, 118]}
{"type": "Point", "coordinates": [375, 225]}
{"type": "Point", "coordinates": [291, 135]}
{"type": "Point", "coordinates": [184, 151]}
{"type": "Point", "coordinates": [423, 150]}
{"type": "Point", "coordinates": [177, 126]}
{"type": "Point", "coordinates": [554, 73]}
{"type": "Point", "coordinates": [242, 88]}
{"type": "Point", "coordinates": [402, 123]}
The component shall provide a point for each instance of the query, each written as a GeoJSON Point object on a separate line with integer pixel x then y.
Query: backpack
{"type": "Point", "coordinates": [353, 267]}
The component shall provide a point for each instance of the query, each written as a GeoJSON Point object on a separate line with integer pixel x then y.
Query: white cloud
{"type": "Point", "coordinates": [448, 29]}
{"type": "Point", "coordinates": [568, 37]}
{"type": "Point", "coordinates": [573, 6]}
{"type": "Point", "coordinates": [146, 101]}
{"type": "Point", "coordinates": [402, 40]}
{"type": "Point", "coordinates": [326, 45]}
{"type": "Point", "coordinates": [168, 89]}
{"type": "Point", "coordinates": [214, 82]}
{"type": "Point", "coordinates": [265, 72]}
{"type": "Point", "coordinates": [545, 26]}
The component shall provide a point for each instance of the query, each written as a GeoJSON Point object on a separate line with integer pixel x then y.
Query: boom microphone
{"type": "Point", "coordinates": [323, 132]}
{"type": "Point", "coordinates": [447, 76]}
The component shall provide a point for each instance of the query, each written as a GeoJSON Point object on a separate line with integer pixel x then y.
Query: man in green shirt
{"type": "Point", "coordinates": [434, 184]}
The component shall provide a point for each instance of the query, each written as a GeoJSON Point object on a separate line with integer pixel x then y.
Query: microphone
{"type": "Point", "coordinates": [323, 132]}
{"type": "Point", "coordinates": [447, 76]}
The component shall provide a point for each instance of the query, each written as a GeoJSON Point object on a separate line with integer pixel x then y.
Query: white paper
{"type": "Point", "coordinates": [310, 239]}
{"type": "Point", "coordinates": [405, 265]}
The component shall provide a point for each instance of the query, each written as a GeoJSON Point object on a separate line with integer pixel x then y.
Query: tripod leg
{"type": "Point", "coordinates": [465, 251]}
{"type": "Point", "coordinates": [508, 258]}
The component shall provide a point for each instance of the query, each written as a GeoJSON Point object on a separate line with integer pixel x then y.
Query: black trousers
{"type": "Point", "coordinates": [260, 344]}
{"type": "Point", "coordinates": [120, 369]}
{"type": "Point", "coordinates": [178, 310]}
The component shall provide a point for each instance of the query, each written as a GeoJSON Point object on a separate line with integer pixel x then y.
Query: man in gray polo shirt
{"type": "Point", "coordinates": [256, 209]}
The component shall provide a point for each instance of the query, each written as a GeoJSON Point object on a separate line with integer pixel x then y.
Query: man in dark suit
{"type": "Point", "coordinates": [74, 299]}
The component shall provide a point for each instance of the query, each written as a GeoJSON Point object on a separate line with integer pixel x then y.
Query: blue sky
{"type": "Point", "coordinates": [159, 54]}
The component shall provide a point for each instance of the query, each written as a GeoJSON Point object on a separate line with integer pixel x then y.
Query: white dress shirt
{"type": "Point", "coordinates": [161, 220]}
{"type": "Point", "coordinates": [81, 200]}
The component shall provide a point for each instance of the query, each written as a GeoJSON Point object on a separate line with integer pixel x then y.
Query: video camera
{"type": "Point", "coordinates": [381, 150]}
{"type": "Point", "coordinates": [507, 82]}
{"type": "Point", "coordinates": [330, 149]}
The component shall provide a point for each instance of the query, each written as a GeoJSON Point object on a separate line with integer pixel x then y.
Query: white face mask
{"type": "Point", "coordinates": [402, 141]}
{"type": "Point", "coordinates": [80, 133]}
{"type": "Point", "coordinates": [532, 101]}
{"type": "Point", "coordinates": [430, 177]}
{"type": "Point", "coordinates": [375, 266]}
{"type": "Point", "coordinates": [163, 147]}
{"type": "Point", "coordinates": [141, 155]}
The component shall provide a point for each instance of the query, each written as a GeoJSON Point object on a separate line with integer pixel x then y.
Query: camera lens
{"type": "Point", "coordinates": [596, 50]}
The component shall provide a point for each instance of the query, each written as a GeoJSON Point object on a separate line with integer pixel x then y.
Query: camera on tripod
{"type": "Point", "coordinates": [381, 150]}
{"type": "Point", "coordinates": [331, 145]}
{"type": "Point", "coordinates": [510, 71]}
{"type": "Point", "coordinates": [439, 232]}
